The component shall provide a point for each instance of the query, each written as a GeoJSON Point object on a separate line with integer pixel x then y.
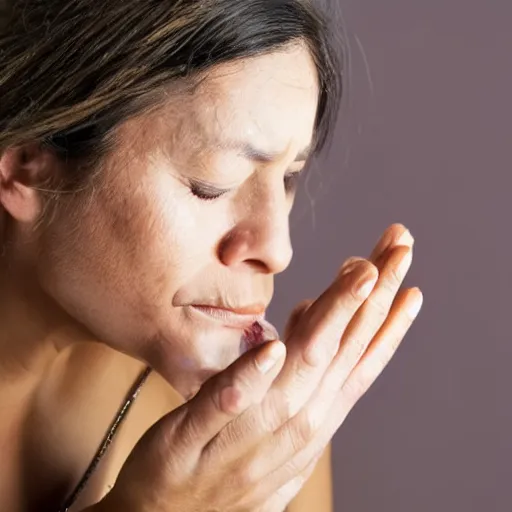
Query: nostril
{"type": "Point", "coordinates": [258, 265]}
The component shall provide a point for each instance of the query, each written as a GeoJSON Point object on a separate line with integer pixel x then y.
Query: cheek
{"type": "Point", "coordinates": [112, 265]}
{"type": "Point", "coordinates": [139, 247]}
{"type": "Point", "coordinates": [118, 265]}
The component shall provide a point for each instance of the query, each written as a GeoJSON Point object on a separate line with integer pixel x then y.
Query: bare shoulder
{"type": "Point", "coordinates": [73, 410]}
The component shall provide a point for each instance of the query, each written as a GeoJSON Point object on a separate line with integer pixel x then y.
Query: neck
{"type": "Point", "coordinates": [35, 330]}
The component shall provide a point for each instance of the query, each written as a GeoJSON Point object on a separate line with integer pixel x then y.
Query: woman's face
{"type": "Point", "coordinates": [192, 209]}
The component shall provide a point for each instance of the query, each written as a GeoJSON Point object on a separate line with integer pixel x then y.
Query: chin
{"type": "Point", "coordinates": [187, 363]}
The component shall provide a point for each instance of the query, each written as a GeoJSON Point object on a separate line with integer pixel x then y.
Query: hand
{"type": "Point", "coordinates": [252, 435]}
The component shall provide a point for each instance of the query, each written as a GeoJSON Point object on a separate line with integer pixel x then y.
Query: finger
{"type": "Point", "coordinates": [285, 483]}
{"type": "Point", "coordinates": [291, 489]}
{"type": "Point", "coordinates": [226, 395]}
{"type": "Point", "coordinates": [284, 400]}
{"type": "Point", "coordinates": [312, 428]}
{"type": "Point", "coordinates": [321, 324]}
{"type": "Point", "coordinates": [361, 331]}
{"type": "Point", "coordinates": [316, 340]}
{"type": "Point", "coordinates": [373, 313]}
{"type": "Point", "coordinates": [405, 310]}
{"type": "Point", "coordinates": [395, 235]}
{"type": "Point", "coordinates": [385, 344]}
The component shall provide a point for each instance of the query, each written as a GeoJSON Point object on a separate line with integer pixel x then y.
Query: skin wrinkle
{"type": "Point", "coordinates": [121, 243]}
{"type": "Point", "coordinates": [119, 226]}
{"type": "Point", "coordinates": [123, 256]}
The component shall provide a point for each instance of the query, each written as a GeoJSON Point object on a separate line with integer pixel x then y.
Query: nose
{"type": "Point", "coordinates": [261, 239]}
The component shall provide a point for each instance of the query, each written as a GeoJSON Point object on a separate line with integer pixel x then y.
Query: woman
{"type": "Point", "coordinates": [149, 154]}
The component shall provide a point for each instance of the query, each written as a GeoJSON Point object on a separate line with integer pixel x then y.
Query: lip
{"type": "Point", "coordinates": [234, 318]}
{"type": "Point", "coordinates": [253, 310]}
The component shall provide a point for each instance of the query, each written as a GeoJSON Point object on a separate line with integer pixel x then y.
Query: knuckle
{"type": "Point", "coordinates": [371, 268]}
{"type": "Point", "coordinates": [365, 270]}
{"type": "Point", "coordinates": [230, 400]}
{"type": "Point", "coordinates": [275, 411]}
{"type": "Point", "coordinates": [379, 306]}
{"type": "Point", "coordinates": [351, 274]}
{"type": "Point", "coordinates": [357, 347]}
{"type": "Point", "coordinates": [215, 399]}
{"type": "Point", "coordinates": [393, 279]}
{"type": "Point", "coordinates": [363, 267]}
{"type": "Point", "coordinates": [246, 477]}
{"type": "Point", "coordinates": [295, 436]}
{"type": "Point", "coordinates": [304, 429]}
{"type": "Point", "coordinates": [311, 357]}
{"type": "Point", "coordinates": [368, 268]}
{"type": "Point", "coordinates": [243, 382]}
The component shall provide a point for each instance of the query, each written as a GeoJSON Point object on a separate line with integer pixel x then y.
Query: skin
{"type": "Point", "coordinates": [106, 260]}
{"type": "Point", "coordinates": [317, 492]}
{"type": "Point", "coordinates": [102, 270]}
{"type": "Point", "coordinates": [105, 288]}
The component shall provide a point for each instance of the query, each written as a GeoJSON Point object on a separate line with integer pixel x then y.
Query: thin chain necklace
{"type": "Point", "coordinates": [107, 440]}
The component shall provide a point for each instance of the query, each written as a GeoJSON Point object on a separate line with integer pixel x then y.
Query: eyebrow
{"type": "Point", "coordinates": [251, 152]}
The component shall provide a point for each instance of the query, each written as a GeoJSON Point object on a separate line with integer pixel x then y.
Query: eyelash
{"type": "Point", "coordinates": [207, 192]}
{"type": "Point", "coordinates": [291, 181]}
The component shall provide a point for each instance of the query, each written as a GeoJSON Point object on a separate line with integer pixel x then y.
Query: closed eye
{"type": "Point", "coordinates": [205, 191]}
{"type": "Point", "coordinates": [291, 181]}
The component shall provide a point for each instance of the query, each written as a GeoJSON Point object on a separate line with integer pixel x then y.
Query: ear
{"type": "Point", "coordinates": [22, 170]}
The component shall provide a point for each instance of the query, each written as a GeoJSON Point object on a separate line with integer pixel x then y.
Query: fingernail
{"type": "Point", "coordinates": [271, 355]}
{"type": "Point", "coordinates": [367, 287]}
{"type": "Point", "coordinates": [405, 239]}
{"type": "Point", "coordinates": [414, 308]}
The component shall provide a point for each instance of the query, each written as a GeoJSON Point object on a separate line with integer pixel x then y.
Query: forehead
{"type": "Point", "coordinates": [269, 100]}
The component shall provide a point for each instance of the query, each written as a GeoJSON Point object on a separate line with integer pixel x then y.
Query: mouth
{"type": "Point", "coordinates": [256, 330]}
{"type": "Point", "coordinates": [235, 318]}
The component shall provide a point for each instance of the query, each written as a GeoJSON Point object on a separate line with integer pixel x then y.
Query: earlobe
{"type": "Point", "coordinates": [22, 170]}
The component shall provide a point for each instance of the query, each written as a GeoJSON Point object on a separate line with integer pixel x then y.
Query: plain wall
{"type": "Point", "coordinates": [425, 139]}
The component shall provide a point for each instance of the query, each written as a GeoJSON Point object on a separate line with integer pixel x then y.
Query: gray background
{"type": "Point", "coordinates": [424, 140]}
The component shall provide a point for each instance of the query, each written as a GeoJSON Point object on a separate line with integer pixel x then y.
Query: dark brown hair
{"type": "Point", "coordinates": [72, 70]}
